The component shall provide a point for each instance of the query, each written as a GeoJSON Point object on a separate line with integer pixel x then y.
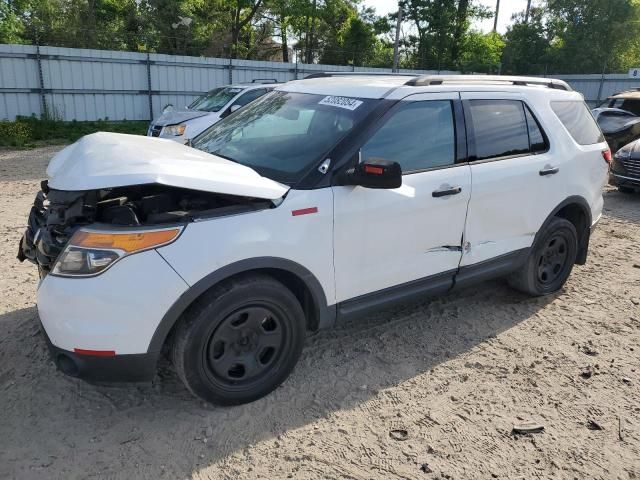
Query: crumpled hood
{"type": "Point", "coordinates": [175, 117]}
{"type": "Point", "coordinates": [107, 160]}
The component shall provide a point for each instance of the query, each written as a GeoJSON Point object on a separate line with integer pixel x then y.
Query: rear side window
{"type": "Point", "coordinates": [577, 119]}
{"type": "Point", "coordinates": [503, 128]}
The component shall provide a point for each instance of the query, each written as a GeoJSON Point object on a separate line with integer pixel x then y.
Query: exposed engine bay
{"type": "Point", "coordinates": [57, 214]}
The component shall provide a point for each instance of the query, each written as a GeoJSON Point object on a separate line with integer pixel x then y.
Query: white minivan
{"type": "Point", "coordinates": [182, 125]}
{"type": "Point", "coordinates": [326, 198]}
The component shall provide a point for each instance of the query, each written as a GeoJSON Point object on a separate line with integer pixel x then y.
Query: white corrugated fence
{"type": "Point", "coordinates": [81, 84]}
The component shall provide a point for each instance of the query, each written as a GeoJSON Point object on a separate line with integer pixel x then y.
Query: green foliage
{"type": "Point", "coordinates": [441, 27]}
{"type": "Point", "coordinates": [559, 36]}
{"type": "Point", "coordinates": [32, 131]}
{"type": "Point", "coordinates": [591, 33]}
{"type": "Point", "coordinates": [527, 48]}
{"type": "Point", "coordinates": [15, 134]}
{"type": "Point", "coordinates": [575, 36]}
{"type": "Point", "coordinates": [11, 28]}
{"type": "Point", "coordinates": [481, 52]}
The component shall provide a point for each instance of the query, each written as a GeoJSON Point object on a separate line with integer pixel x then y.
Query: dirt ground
{"type": "Point", "coordinates": [455, 373]}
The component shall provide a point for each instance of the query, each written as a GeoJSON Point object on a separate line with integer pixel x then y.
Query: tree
{"type": "Point", "coordinates": [11, 28]}
{"type": "Point", "coordinates": [527, 45]}
{"type": "Point", "coordinates": [354, 44]}
{"type": "Point", "coordinates": [441, 27]}
{"type": "Point", "coordinates": [281, 10]}
{"type": "Point", "coordinates": [482, 52]}
{"type": "Point", "coordinates": [590, 33]}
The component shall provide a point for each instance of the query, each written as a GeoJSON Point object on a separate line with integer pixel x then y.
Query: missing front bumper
{"type": "Point", "coordinates": [133, 368]}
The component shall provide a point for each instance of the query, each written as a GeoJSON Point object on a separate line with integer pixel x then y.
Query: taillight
{"type": "Point", "coordinates": [606, 154]}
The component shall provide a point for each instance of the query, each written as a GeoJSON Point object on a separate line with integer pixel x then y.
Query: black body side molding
{"type": "Point", "coordinates": [432, 285]}
{"type": "Point", "coordinates": [491, 269]}
{"type": "Point", "coordinates": [406, 292]}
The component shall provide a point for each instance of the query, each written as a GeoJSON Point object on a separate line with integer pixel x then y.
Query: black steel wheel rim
{"type": "Point", "coordinates": [553, 260]}
{"type": "Point", "coordinates": [246, 345]}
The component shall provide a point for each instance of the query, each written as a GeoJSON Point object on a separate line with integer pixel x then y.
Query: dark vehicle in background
{"type": "Point", "coordinates": [628, 100]}
{"type": "Point", "coordinates": [619, 127]}
{"type": "Point", "coordinates": [619, 118]}
{"type": "Point", "coordinates": [625, 168]}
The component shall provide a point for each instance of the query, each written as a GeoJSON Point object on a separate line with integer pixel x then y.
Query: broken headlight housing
{"type": "Point", "coordinates": [174, 130]}
{"type": "Point", "coordinates": [90, 252]}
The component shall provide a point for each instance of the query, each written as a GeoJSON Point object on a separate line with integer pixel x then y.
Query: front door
{"type": "Point", "coordinates": [388, 238]}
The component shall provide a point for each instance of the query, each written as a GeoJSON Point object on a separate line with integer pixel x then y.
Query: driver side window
{"type": "Point", "coordinates": [419, 135]}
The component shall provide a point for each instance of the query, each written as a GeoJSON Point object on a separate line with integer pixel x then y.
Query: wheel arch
{"type": "Point", "coordinates": [576, 210]}
{"type": "Point", "coordinates": [302, 283]}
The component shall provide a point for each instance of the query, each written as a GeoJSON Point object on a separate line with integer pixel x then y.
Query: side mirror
{"type": "Point", "coordinates": [377, 173]}
{"type": "Point", "coordinates": [234, 108]}
{"type": "Point", "coordinates": [167, 108]}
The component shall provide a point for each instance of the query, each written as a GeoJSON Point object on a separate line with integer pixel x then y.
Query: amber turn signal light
{"type": "Point", "coordinates": [127, 242]}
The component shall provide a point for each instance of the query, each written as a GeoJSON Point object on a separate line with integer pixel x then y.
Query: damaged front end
{"type": "Point", "coordinates": [57, 214]}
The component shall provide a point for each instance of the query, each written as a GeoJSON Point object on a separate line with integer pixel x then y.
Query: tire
{"type": "Point", "coordinates": [626, 190]}
{"type": "Point", "coordinates": [240, 340]}
{"type": "Point", "coordinates": [550, 262]}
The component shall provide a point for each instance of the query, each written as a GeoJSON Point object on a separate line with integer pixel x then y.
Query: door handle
{"type": "Point", "coordinates": [549, 170]}
{"type": "Point", "coordinates": [446, 191]}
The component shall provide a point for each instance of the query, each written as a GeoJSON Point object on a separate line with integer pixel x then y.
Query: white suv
{"type": "Point", "coordinates": [185, 124]}
{"type": "Point", "coordinates": [325, 199]}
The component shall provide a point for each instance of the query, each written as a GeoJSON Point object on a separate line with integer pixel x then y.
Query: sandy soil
{"type": "Point", "coordinates": [456, 373]}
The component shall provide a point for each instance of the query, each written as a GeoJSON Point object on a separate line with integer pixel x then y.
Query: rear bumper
{"type": "Point", "coordinates": [138, 368]}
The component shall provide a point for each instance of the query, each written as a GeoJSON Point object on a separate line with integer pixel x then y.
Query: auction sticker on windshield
{"type": "Point", "coordinates": [340, 102]}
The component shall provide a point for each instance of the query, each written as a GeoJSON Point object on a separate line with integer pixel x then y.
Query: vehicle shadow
{"type": "Point", "coordinates": [622, 206]}
{"type": "Point", "coordinates": [54, 426]}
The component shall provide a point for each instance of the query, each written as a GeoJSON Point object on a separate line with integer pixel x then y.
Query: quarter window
{"type": "Point", "coordinates": [419, 135]}
{"type": "Point", "coordinates": [577, 119]}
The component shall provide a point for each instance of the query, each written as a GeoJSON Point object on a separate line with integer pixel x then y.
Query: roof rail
{"type": "Point", "coordinates": [264, 80]}
{"type": "Point", "coordinates": [359, 74]}
{"type": "Point", "coordinates": [426, 80]}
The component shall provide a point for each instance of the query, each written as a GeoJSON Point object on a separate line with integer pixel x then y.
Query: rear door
{"type": "Point", "coordinates": [393, 238]}
{"type": "Point", "coordinates": [517, 178]}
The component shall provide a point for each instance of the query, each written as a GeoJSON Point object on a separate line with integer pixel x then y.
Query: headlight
{"type": "Point", "coordinates": [625, 152]}
{"type": "Point", "coordinates": [91, 252]}
{"type": "Point", "coordinates": [174, 130]}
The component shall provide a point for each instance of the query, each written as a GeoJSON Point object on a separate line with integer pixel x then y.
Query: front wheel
{"type": "Point", "coordinates": [240, 341]}
{"type": "Point", "coordinates": [550, 262]}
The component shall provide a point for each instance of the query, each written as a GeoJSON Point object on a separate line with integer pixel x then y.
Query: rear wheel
{"type": "Point", "coordinates": [240, 341]}
{"type": "Point", "coordinates": [550, 261]}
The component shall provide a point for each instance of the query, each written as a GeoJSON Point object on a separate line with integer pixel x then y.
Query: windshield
{"type": "Point", "coordinates": [283, 134]}
{"type": "Point", "coordinates": [215, 99]}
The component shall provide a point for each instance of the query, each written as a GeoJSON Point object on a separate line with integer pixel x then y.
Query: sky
{"type": "Point", "coordinates": [507, 9]}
